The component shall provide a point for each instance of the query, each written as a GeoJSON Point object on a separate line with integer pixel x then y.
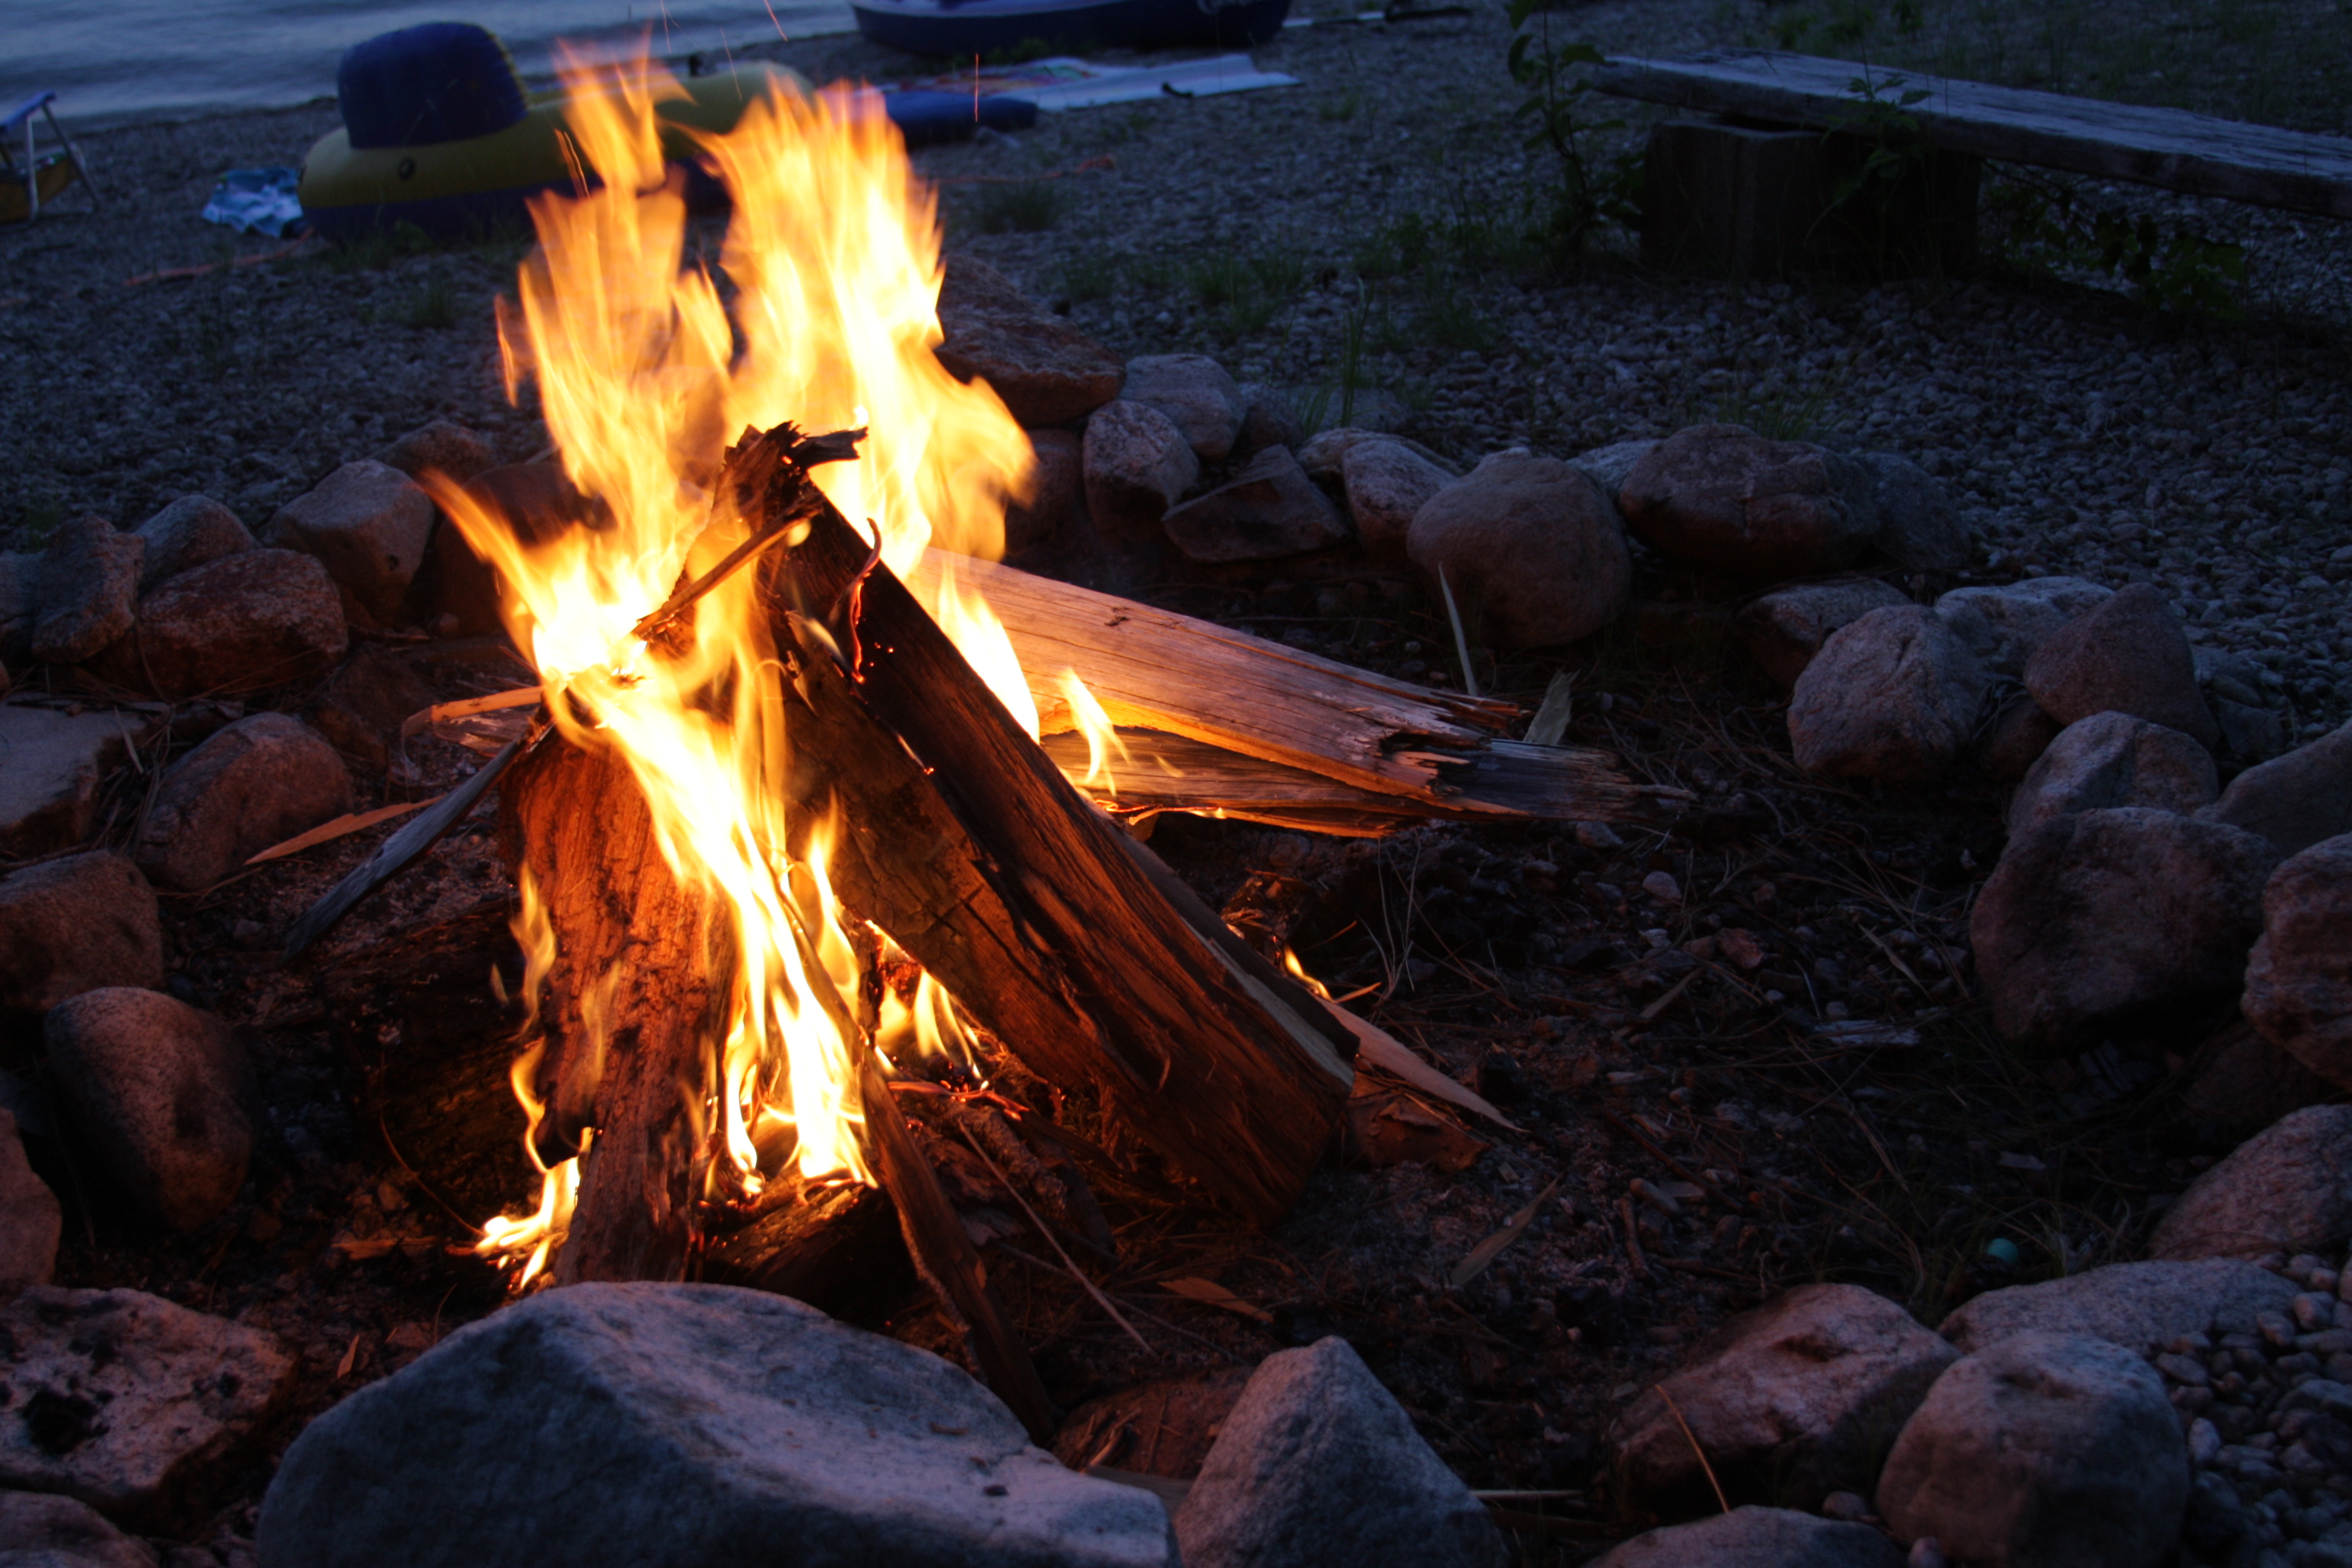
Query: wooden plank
{"type": "Point", "coordinates": [2170, 148]}
{"type": "Point", "coordinates": [1159, 670]}
{"type": "Point", "coordinates": [1175, 772]}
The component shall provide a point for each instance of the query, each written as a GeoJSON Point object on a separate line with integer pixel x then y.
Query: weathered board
{"type": "Point", "coordinates": [2171, 148]}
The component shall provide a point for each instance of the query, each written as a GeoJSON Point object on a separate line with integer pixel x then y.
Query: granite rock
{"type": "Point", "coordinates": [1891, 696]}
{"type": "Point", "coordinates": [2299, 977]}
{"type": "Point", "coordinates": [1782, 630]}
{"type": "Point", "coordinates": [159, 1092]}
{"type": "Point", "coordinates": [1752, 1537]}
{"type": "Point", "coordinates": [1919, 528]}
{"type": "Point", "coordinates": [2110, 760]}
{"type": "Point", "coordinates": [185, 535]}
{"type": "Point", "coordinates": [2135, 1305]}
{"type": "Point", "coordinates": [1790, 1403]}
{"type": "Point", "coordinates": [2006, 625]}
{"type": "Point", "coordinates": [1723, 498]}
{"type": "Point", "coordinates": [89, 590]}
{"type": "Point", "coordinates": [1532, 553]}
{"type": "Point", "coordinates": [30, 1220]}
{"type": "Point", "coordinates": [53, 762]}
{"type": "Point", "coordinates": [445, 448]}
{"type": "Point", "coordinates": [2124, 655]}
{"type": "Point", "coordinates": [2287, 1189]}
{"type": "Point", "coordinates": [252, 785]}
{"type": "Point", "coordinates": [1136, 462]}
{"type": "Point", "coordinates": [1387, 483]}
{"type": "Point", "coordinates": [2102, 917]}
{"type": "Point", "coordinates": [369, 523]}
{"type": "Point", "coordinates": [1319, 1464]}
{"type": "Point", "coordinates": [2297, 800]}
{"type": "Point", "coordinates": [75, 924]}
{"type": "Point", "coordinates": [1196, 393]}
{"type": "Point", "coordinates": [1267, 511]}
{"type": "Point", "coordinates": [705, 1424]}
{"type": "Point", "coordinates": [2042, 1451]}
{"type": "Point", "coordinates": [1047, 371]}
{"type": "Point", "coordinates": [133, 1405]}
{"type": "Point", "coordinates": [257, 618]}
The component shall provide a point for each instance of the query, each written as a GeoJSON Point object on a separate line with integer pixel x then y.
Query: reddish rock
{"type": "Point", "coordinates": [444, 448]}
{"type": "Point", "coordinates": [1058, 480]}
{"type": "Point", "coordinates": [259, 781]}
{"type": "Point", "coordinates": [89, 581]}
{"type": "Point", "coordinates": [1531, 550]}
{"type": "Point", "coordinates": [1136, 463]}
{"type": "Point", "coordinates": [187, 534]}
{"type": "Point", "coordinates": [1269, 509]}
{"type": "Point", "coordinates": [72, 925]}
{"type": "Point", "coordinates": [370, 523]}
{"type": "Point", "coordinates": [1724, 498]}
{"type": "Point", "coordinates": [263, 617]}
{"type": "Point", "coordinates": [1047, 372]}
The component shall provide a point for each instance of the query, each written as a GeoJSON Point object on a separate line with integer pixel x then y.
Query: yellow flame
{"type": "Point", "coordinates": [1298, 973]}
{"type": "Point", "coordinates": [646, 368]}
{"type": "Point", "coordinates": [1093, 723]}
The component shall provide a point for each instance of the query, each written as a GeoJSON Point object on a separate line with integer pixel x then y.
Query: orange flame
{"type": "Point", "coordinates": [821, 310]}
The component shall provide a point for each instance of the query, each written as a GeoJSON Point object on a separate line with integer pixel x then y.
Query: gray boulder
{"type": "Point", "coordinates": [1047, 371]}
{"type": "Point", "coordinates": [131, 1404]}
{"type": "Point", "coordinates": [1609, 466]}
{"type": "Point", "coordinates": [2103, 916]}
{"type": "Point", "coordinates": [2125, 655]}
{"type": "Point", "coordinates": [88, 589]}
{"type": "Point", "coordinates": [30, 1220]}
{"type": "Point", "coordinates": [1918, 526]}
{"type": "Point", "coordinates": [702, 1423]}
{"type": "Point", "coordinates": [1324, 454]}
{"type": "Point", "coordinates": [1782, 630]}
{"type": "Point", "coordinates": [1057, 482]}
{"type": "Point", "coordinates": [2110, 760]}
{"type": "Point", "coordinates": [52, 765]}
{"type": "Point", "coordinates": [257, 618]}
{"type": "Point", "coordinates": [1893, 695]}
{"type": "Point", "coordinates": [261, 780]}
{"type": "Point", "coordinates": [1790, 1403]}
{"type": "Point", "coordinates": [74, 924]}
{"type": "Point", "coordinates": [1533, 555]}
{"type": "Point", "coordinates": [159, 1092]}
{"type": "Point", "coordinates": [2299, 977]}
{"type": "Point", "coordinates": [1317, 1464]}
{"type": "Point", "coordinates": [2006, 625]}
{"type": "Point", "coordinates": [2042, 1451]}
{"type": "Point", "coordinates": [369, 523]}
{"type": "Point", "coordinates": [1752, 1537]}
{"type": "Point", "coordinates": [2287, 1189]}
{"type": "Point", "coordinates": [445, 448]}
{"type": "Point", "coordinates": [40, 1530]}
{"type": "Point", "coordinates": [2297, 800]}
{"type": "Point", "coordinates": [1724, 498]}
{"type": "Point", "coordinates": [2014, 739]}
{"type": "Point", "coordinates": [187, 534]}
{"type": "Point", "coordinates": [1195, 392]}
{"type": "Point", "coordinates": [1269, 418]}
{"type": "Point", "coordinates": [1267, 511]}
{"type": "Point", "coordinates": [1387, 483]}
{"type": "Point", "coordinates": [2135, 1305]}
{"type": "Point", "coordinates": [1136, 463]}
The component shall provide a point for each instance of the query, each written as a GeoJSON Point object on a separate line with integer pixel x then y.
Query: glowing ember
{"type": "Point", "coordinates": [646, 367]}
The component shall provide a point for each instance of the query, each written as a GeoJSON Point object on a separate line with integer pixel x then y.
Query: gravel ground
{"type": "Point", "coordinates": [2080, 433]}
{"type": "Point", "coordinates": [1855, 1117]}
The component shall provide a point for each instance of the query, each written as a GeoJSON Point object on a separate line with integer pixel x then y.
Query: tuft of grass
{"type": "Point", "coordinates": [1087, 276]}
{"type": "Point", "coordinates": [1032, 208]}
{"type": "Point", "coordinates": [433, 307]}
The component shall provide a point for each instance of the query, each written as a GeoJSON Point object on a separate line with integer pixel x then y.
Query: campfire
{"type": "Point", "coordinates": [809, 914]}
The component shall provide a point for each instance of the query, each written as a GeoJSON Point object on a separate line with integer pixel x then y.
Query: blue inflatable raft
{"type": "Point", "coordinates": [962, 28]}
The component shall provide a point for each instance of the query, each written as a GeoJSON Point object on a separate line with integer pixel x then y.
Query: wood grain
{"type": "Point", "coordinates": [2170, 148]}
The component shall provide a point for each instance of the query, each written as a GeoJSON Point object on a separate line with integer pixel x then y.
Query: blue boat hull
{"type": "Point", "coordinates": [1065, 27]}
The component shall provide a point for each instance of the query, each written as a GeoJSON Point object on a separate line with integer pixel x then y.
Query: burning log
{"type": "Point", "coordinates": [634, 996]}
{"type": "Point", "coordinates": [1051, 928]}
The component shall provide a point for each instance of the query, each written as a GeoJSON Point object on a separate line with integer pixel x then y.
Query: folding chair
{"type": "Point", "coordinates": [41, 177]}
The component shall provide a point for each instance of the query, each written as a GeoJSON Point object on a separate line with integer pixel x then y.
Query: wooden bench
{"type": "Point", "coordinates": [2172, 149]}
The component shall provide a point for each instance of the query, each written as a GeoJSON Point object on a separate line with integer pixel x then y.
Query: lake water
{"type": "Point", "coordinates": [165, 58]}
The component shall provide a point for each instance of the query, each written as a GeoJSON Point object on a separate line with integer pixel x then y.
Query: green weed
{"type": "Point", "coordinates": [1030, 207]}
{"type": "Point", "coordinates": [433, 307]}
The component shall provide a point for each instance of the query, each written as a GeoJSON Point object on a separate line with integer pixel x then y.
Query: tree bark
{"type": "Point", "coordinates": [635, 995]}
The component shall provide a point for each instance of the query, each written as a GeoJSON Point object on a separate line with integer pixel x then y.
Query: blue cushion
{"type": "Point", "coordinates": [443, 81]}
{"type": "Point", "coordinates": [924, 116]}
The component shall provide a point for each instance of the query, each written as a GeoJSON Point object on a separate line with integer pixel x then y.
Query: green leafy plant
{"type": "Point", "coordinates": [1584, 193]}
{"type": "Point", "coordinates": [2045, 226]}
